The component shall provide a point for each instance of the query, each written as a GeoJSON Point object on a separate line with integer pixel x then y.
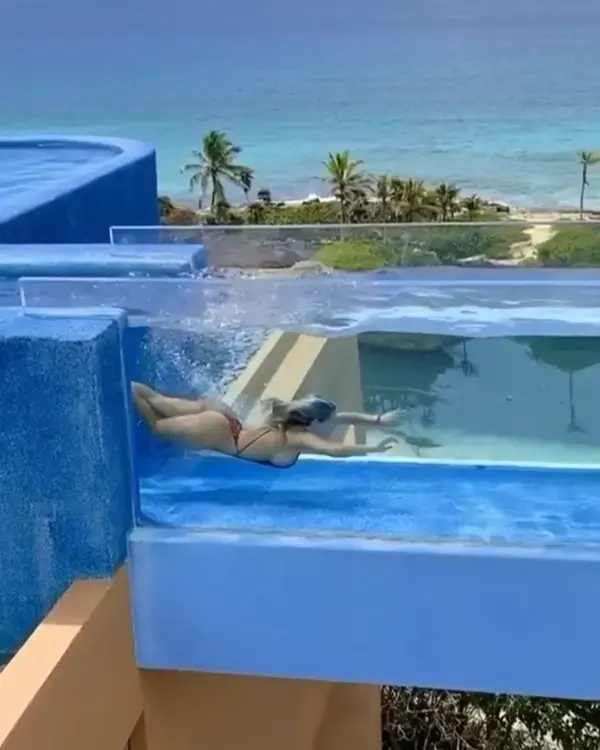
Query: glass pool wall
{"type": "Point", "coordinates": [527, 399]}
{"type": "Point", "coordinates": [476, 372]}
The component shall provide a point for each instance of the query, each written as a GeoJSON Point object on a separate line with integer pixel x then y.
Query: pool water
{"type": "Point", "coordinates": [28, 167]}
{"type": "Point", "coordinates": [488, 399]}
{"type": "Point", "coordinates": [380, 498]}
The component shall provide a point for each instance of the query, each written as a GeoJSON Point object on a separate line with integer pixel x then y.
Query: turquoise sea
{"type": "Point", "coordinates": [496, 97]}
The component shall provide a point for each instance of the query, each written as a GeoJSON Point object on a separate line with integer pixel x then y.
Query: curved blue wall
{"type": "Point", "coordinates": [119, 190]}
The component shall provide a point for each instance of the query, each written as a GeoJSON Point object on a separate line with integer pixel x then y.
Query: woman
{"type": "Point", "coordinates": [209, 424]}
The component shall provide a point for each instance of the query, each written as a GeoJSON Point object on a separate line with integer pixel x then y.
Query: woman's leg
{"type": "Point", "coordinates": [171, 406]}
{"type": "Point", "coordinates": [168, 406]}
{"type": "Point", "coordinates": [142, 404]}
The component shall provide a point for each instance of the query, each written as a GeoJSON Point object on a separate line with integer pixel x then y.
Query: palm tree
{"type": "Point", "coordinates": [246, 178]}
{"type": "Point", "coordinates": [214, 163]}
{"type": "Point", "coordinates": [416, 202]}
{"type": "Point", "coordinates": [472, 205]}
{"type": "Point", "coordinates": [383, 193]}
{"type": "Point", "coordinates": [446, 197]}
{"type": "Point", "coordinates": [397, 190]}
{"type": "Point", "coordinates": [586, 159]}
{"type": "Point", "coordinates": [348, 182]}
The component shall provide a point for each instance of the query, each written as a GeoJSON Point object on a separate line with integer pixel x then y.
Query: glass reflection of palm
{"type": "Point", "coordinates": [468, 368]}
{"type": "Point", "coordinates": [411, 389]}
{"type": "Point", "coordinates": [569, 355]}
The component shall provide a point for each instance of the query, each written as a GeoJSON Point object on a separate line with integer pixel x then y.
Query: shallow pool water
{"type": "Point", "coordinates": [435, 502]}
{"type": "Point", "coordinates": [28, 167]}
{"type": "Point", "coordinates": [531, 399]}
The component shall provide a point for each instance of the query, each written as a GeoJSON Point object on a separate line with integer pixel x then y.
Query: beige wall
{"type": "Point", "coordinates": [74, 684]}
{"type": "Point", "coordinates": [187, 711]}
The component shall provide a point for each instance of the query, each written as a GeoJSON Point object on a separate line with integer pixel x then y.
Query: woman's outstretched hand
{"type": "Point", "coordinates": [390, 418]}
{"type": "Point", "coordinates": [386, 444]}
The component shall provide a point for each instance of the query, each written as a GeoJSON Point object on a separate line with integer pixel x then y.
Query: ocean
{"type": "Point", "coordinates": [496, 98]}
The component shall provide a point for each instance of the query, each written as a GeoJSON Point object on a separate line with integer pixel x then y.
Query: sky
{"type": "Point", "coordinates": [29, 20]}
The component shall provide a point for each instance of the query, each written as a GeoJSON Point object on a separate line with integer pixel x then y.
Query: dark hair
{"type": "Point", "coordinates": [300, 412]}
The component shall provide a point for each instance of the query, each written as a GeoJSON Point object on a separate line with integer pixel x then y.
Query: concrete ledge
{"type": "Point", "coordinates": [83, 260]}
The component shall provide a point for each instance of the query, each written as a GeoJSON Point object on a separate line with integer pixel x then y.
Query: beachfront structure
{"type": "Point", "coordinates": [254, 608]}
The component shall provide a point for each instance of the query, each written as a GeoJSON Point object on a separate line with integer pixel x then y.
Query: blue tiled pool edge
{"type": "Point", "coordinates": [82, 208]}
{"type": "Point", "coordinates": [451, 616]}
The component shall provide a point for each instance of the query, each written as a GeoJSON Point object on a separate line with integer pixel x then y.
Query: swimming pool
{"type": "Point", "coordinates": [379, 498]}
{"type": "Point", "coordinates": [27, 168]}
{"type": "Point", "coordinates": [489, 399]}
{"type": "Point", "coordinates": [373, 571]}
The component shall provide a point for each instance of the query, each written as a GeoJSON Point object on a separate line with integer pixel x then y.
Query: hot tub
{"type": "Point", "coordinates": [63, 189]}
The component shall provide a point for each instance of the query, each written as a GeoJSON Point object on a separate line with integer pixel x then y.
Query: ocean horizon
{"type": "Point", "coordinates": [495, 100]}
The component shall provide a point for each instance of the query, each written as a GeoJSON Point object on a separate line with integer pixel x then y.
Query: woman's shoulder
{"type": "Point", "coordinates": [296, 436]}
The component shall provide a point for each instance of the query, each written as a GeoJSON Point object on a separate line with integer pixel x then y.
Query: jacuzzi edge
{"type": "Point", "coordinates": [127, 152]}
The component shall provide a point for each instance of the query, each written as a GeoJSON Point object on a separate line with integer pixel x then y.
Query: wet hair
{"type": "Point", "coordinates": [301, 412]}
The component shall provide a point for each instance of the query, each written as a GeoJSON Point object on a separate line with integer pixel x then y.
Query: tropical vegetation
{"type": "Point", "coordinates": [415, 719]}
{"type": "Point", "coordinates": [359, 197]}
{"type": "Point", "coordinates": [571, 246]}
{"type": "Point", "coordinates": [215, 163]}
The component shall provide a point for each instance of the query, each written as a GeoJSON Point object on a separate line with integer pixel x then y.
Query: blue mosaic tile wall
{"type": "Point", "coordinates": [66, 480]}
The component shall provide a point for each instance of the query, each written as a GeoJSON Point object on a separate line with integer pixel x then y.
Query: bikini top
{"type": "Point", "coordinates": [254, 440]}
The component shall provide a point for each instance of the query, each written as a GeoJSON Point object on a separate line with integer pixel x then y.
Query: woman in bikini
{"type": "Point", "coordinates": [209, 424]}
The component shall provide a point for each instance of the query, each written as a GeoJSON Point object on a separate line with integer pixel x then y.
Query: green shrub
{"type": "Point", "coordinates": [354, 255]}
{"type": "Point", "coordinates": [176, 215]}
{"type": "Point", "coordinates": [452, 244]}
{"type": "Point", "coordinates": [571, 246]}
{"type": "Point", "coordinates": [312, 212]}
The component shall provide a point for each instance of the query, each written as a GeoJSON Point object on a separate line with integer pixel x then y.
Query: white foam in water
{"type": "Point", "coordinates": [338, 306]}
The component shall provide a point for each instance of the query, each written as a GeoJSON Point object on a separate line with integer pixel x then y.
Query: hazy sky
{"type": "Point", "coordinates": [52, 18]}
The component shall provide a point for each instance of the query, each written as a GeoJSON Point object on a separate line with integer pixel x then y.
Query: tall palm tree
{"type": "Point", "coordinates": [586, 159]}
{"type": "Point", "coordinates": [472, 205]}
{"type": "Point", "coordinates": [383, 193]}
{"type": "Point", "coordinates": [246, 179]}
{"type": "Point", "coordinates": [214, 163]}
{"type": "Point", "coordinates": [446, 197]}
{"type": "Point", "coordinates": [417, 202]}
{"type": "Point", "coordinates": [347, 180]}
{"type": "Point", "coordinates": [397, 190]}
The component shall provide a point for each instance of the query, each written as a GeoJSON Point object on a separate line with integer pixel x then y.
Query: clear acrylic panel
{"type": "Point", "coordinates": [434, 404]}
{"type": "Point", "coordinates": [366, 247]}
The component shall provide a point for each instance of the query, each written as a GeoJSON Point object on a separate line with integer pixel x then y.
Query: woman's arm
{"type": "Point", "coordinates": [306, 442]}
{"type": "Point", "coordinates": [387, 419]}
